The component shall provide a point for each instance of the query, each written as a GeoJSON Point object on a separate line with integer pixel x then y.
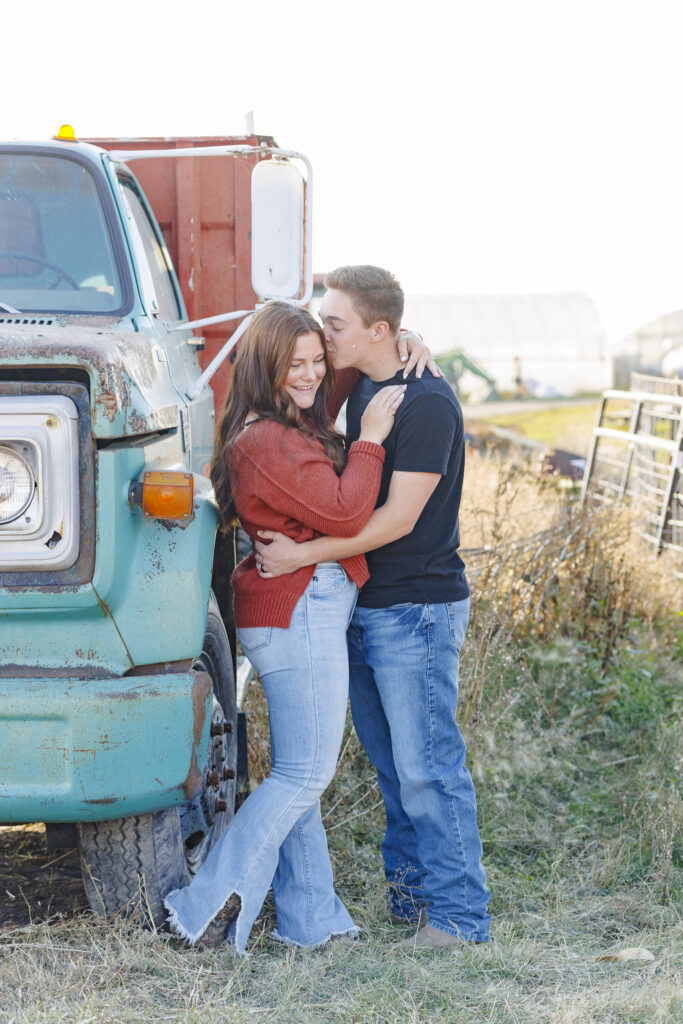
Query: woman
{"type": "Point", "coordinates": [280, 464]}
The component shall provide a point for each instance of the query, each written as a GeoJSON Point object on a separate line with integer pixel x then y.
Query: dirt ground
{"type": "Point", "coordinates": [37, 884]}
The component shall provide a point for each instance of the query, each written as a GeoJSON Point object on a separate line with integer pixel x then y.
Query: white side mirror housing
{"type": "Point", "coordinates": [277, 230]}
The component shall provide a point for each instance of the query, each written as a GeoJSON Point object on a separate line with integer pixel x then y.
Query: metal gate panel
{"type": "Point", "coordinates": [636, 454]}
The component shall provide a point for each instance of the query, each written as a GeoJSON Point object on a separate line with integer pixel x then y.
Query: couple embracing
{"type": "Point", "coordinates": [355, 585]}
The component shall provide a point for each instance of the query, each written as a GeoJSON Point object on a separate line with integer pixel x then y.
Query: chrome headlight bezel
{"type": "Point", "coordinates": [45, 535]}
{"type": "Point", "coordinates": [12, 464]}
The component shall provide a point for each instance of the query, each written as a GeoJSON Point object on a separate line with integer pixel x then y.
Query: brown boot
{"type": "Point", "coordinates": [215, 932]}
{"type": "Point", "coordinates": [429, 937]}
{"type": "Point", "coordinates": [407, 922]}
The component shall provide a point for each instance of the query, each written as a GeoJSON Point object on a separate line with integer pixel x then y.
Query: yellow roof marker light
{"type": "Point", "coordinates": [66, 134]}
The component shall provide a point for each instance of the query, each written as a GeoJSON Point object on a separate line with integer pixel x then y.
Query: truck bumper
{"type": "Point", "coordinates": [89, 750]}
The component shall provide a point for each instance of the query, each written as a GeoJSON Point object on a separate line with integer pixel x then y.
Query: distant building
{"type": "Point", "coordinates": [655, 348]}
{"type": "Point", "coordinates": [554, 342]}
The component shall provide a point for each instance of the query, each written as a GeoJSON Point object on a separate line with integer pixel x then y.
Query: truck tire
{"type": "Point", "coordinates": [130, 864]}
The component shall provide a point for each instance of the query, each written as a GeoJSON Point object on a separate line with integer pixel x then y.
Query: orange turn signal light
{"type": "Point", "coordinates": [167, 495]}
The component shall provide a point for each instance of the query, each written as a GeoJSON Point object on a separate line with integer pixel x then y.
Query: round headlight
{"type": "Point", "coordinates": [16, 485]}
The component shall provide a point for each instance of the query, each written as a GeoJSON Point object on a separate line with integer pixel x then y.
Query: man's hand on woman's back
{"type": "Point", "coordinates": [414, 353]}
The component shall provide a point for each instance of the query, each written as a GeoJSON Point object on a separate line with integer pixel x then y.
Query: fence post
{"type": "Point", "coordinates": [667, 501]}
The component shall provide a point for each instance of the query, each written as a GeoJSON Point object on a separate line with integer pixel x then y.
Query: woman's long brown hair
{"type": "Point", "coordinates": [261, 367]}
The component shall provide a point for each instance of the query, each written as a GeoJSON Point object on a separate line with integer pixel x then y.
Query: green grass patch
{"type": "Point", "coordinates": [566, 427]}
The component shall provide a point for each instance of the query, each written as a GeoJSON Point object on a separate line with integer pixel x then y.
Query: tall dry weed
{"type": "Point", "coordinates": [568, 691]}
{"type": "Point", "coordinates": [542, 566]}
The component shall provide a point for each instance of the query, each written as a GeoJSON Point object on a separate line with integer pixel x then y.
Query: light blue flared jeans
{"type": "Point", "coordinates": [277, 836]}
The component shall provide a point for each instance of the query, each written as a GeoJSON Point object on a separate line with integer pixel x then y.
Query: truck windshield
{"type": "Point", "coordinates": [56, 254]}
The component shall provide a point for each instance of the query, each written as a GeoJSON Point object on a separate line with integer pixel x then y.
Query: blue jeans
{"type": "Point", "coordinates": [404, 663]}
{"type": "Point", "coordinates": [277, 836]}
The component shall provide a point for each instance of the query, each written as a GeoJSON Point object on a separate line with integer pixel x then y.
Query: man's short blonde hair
{"type": "Point", "coordinates": [374, 292]}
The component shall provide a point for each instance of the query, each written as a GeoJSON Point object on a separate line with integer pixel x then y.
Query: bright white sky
{"type": "Point", "coordinates": [470, 146]}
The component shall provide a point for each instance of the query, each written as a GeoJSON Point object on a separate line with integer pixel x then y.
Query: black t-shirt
{"type": "Point", "coordinates": [428, 437]}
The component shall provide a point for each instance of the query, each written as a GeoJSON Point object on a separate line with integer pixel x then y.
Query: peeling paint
{"type": "Point", "coordinates": [134, 695]}
{"type": "Point", "coordinates": [108, 400]}
{"type": "Point", "coordinates": [129, 387]}
{"type": "Point", "coordinates": [67, 672]}
{"type": "Point", "coordinates": [162, 668]}
{"type": "Point", "coordinates": [201, 691]}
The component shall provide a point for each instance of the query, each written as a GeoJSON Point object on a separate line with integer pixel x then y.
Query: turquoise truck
{"type": "Point", "coordinates": [118, 708]}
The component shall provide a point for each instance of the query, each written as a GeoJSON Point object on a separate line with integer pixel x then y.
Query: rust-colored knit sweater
{"type": "Point", "coordinates": [282, 480]}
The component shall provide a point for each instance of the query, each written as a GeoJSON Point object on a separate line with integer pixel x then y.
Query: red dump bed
{"type": "Point", "coordinates": [204, 210]}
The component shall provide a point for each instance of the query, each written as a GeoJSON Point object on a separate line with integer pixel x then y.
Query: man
{"type": "Point", "coordinates": [410, 620]}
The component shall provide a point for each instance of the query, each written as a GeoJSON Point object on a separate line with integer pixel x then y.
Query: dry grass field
{"type": "Point", "coordinates": [572, 703]}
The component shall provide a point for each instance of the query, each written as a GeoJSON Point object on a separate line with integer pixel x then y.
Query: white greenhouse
{"type": "Point", "coordinates": [554, 342]}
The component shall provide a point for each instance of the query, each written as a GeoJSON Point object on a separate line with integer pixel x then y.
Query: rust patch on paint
{"type": "Point", "coordinates": [119, 362]}
{"type": "Point", "coordinates": [134, 694]}
{"type": "Point", "coordinates": [108, 401]}
{"type": "Point", "coordinates": [160, 668]}
{"type": "Point", "coordinates": [75, 672]}
{"type": "Point", "coordinates": [201, 691]}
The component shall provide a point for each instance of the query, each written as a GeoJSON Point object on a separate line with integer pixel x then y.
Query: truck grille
{"type": "Point", "coordinates": [27, 320]}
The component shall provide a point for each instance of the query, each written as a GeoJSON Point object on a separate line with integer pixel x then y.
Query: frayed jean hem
{"type": "Point", "coordinates": [179, 930]}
